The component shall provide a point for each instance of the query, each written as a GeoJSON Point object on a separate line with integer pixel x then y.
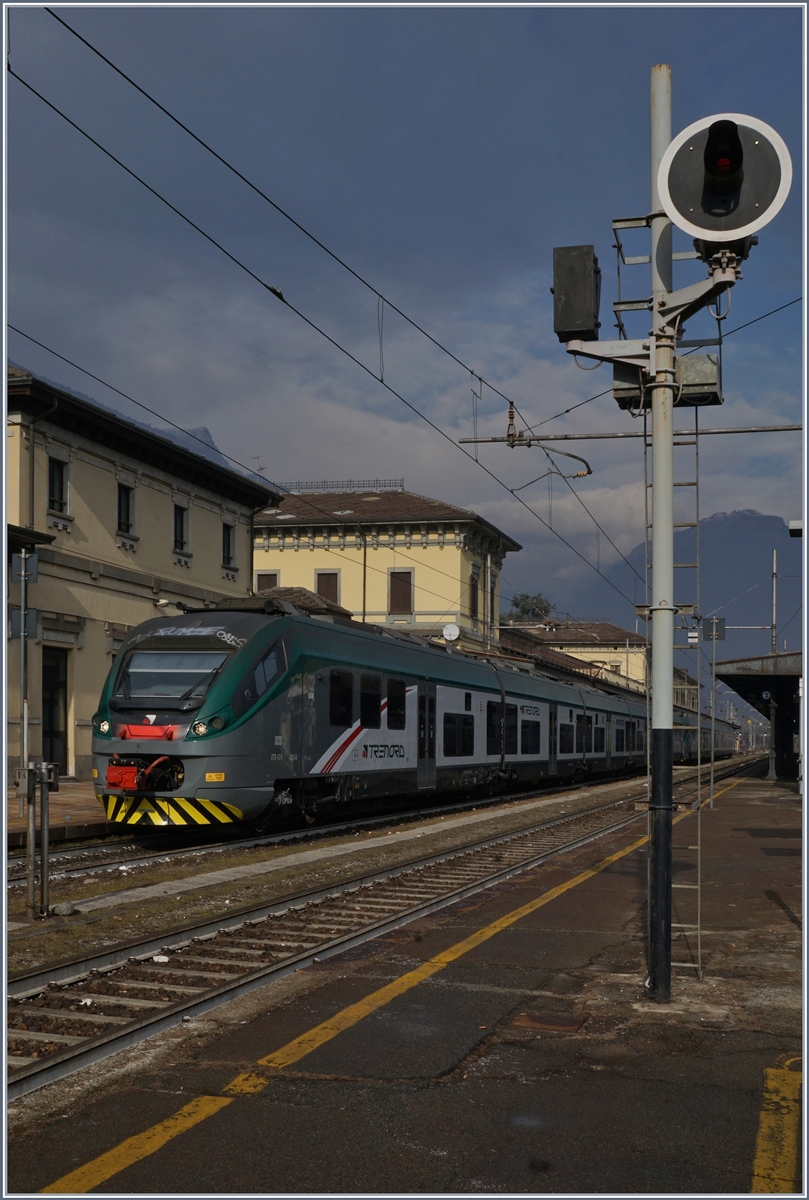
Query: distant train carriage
{"type": "Point", "coordinates": [257, 710]}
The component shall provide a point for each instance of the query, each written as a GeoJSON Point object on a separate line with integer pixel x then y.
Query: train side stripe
{"type": "Point", "coordinates": [323, 768]}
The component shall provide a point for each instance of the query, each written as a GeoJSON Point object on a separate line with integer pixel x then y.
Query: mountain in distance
{"type": "Point", "coordinates": [736, 582]}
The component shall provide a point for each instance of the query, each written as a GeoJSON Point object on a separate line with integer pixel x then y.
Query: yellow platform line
{"type": "Point", "coordinates": [134, 1149]}
{"type": "Point", "coordinates": [776, 1161]}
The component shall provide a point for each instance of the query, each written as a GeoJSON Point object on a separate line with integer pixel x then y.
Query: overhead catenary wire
{"type": "Point", "coordinates": [341, 262]}
{"type": "Point", "coordinates": [306, 499]}
{"type": "Point", "coordinates": [343, 350]}
{"type": "Point", "coordinates": [282, 211]}
{"type": "Point", "coordinates": [307, 233]}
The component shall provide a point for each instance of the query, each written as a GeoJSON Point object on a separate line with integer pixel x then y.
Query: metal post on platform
{"type": "Point", "coordinates": [771, 772]}
{"type": "Point", "coordinates": [713, 703]}
{"type": "Point", "coordinates": [44, 838]}
{"type": "Point", "coordinates": [23, 659]}
{"type": "Point", "coordinates": [660, 807]}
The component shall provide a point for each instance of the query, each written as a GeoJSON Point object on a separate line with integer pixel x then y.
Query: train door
{"type": "Point", "coordinates": [551, 739]}
{"type": "Point", "coordinates": [608, 735]}
{"type": "Point", "coordinates": [426, 735]}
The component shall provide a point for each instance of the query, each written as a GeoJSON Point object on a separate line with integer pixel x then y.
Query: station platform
{"type": "Point", "coordinates": [74, 813]}
{"type": "Point", "coordinates": [501, 1045]}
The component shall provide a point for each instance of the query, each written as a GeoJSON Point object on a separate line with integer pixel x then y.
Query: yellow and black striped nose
{"type": "Point", "coordinates": [176, 810]}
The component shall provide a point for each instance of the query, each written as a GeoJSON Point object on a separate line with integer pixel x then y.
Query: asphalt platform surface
{"type": "Point", "coordinates": [477, 1052]}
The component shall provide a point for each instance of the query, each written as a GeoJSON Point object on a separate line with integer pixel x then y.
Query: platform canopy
{"type": "Point", "coordinates": [765, 680]}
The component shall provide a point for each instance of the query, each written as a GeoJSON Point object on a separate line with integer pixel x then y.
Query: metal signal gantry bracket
{"type": "Point", "coordinates": [673, 309]}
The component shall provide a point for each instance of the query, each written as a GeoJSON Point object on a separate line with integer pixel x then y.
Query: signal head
{"type": "Point", "coordinates": [724, 177]}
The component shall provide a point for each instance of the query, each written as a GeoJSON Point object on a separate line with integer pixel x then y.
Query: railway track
{"type": "Point", "coordinates": [82, 860]}
{"type": "Point", "coordinates": [69, 1014]}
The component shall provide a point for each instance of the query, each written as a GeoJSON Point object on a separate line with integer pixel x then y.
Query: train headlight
{"type": "Point", "coordinates": [199, 728]}
{"type": "Point", "coordinates": [103, 727]}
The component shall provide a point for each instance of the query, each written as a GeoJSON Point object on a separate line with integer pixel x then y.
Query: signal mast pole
{"type": "Point", "coordinates": [662, 613]}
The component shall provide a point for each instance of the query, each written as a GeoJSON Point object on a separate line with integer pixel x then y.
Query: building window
{"type": "Point", "coordinates": [180, 528]}
{"type": "Point", "coordinates": [228, 545]}
{"type": "Point", "coordinates": [125, 509]}
{"type": "Point", "coordinates": [473, 596]}
{"type": "Point", "coordinates": [327, 585]}
{"type": "Point", "coordinates": [370, 701]}
{"type": "Point", "coordinates": [401, 593]}
{"type": "Point", "coordinates": [266, 581]}
{"type": "Point", "coordinates": [57, 486]}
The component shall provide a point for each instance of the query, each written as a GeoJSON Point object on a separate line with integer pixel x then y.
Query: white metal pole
{"type": "Point", "coordinates": [713, 701]}
{"type": "Point", "coordinates": [659, 983]}
{"type": "Point", "coordinates": [774, 586]}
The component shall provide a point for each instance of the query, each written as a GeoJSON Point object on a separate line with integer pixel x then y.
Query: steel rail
{"type": "Point", "coordinates": [58, 1065]}
{"type": "Point", "coordinates": [27, 984]}
{"type": "Point", "coordinates": [299, 835]}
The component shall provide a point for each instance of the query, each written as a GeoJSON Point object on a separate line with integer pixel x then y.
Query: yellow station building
{"type": "Point", "coordinates": [125, 522]}
{"type": "Point", "coordinates": [387, 555]}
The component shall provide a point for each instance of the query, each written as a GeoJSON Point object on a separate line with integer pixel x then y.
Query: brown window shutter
{"type": "Point", "coordinates": [266, 580]}
{"type": "Point", "coordinates": [401, 592]}
{"type": "Point", "coordinates": [327, 585]}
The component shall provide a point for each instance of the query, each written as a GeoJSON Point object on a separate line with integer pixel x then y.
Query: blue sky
{"type": "Point", "coordinates": [442, 154]}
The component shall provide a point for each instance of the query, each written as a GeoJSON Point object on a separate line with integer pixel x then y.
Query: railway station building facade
{"type": "Point", "coordinates": [388, 556]}
{"type": "Point", "coordinates": [126, 523]}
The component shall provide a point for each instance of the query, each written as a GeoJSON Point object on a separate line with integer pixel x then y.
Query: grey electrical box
{"type": "Point", "coordinates": [697, 378]}
{"type": "Point", "coordinates": [576, 293]}
{"type": "Point", "coordinates": [697, 381]}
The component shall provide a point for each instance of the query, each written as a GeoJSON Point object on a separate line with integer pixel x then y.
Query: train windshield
{"type": "Point", "coordinates": [169, 674]}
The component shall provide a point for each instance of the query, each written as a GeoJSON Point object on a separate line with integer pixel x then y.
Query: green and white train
{"type": "Point", "coordinates": [258, 711]}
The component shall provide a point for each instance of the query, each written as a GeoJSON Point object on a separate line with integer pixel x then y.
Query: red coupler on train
{"type": "Point", "coordinates": [121, 776]}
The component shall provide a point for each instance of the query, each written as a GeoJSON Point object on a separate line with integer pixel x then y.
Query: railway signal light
{"type": "Point", "coordinates": [724, 178]}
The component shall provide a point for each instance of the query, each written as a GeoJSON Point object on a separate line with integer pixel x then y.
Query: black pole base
{"type": "Point", "coordinates": [658, 985]}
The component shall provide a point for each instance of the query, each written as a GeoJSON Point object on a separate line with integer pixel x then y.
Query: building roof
{"type": "Point", "coordinates": [308, 601]}
{"type": "Point", "coordinates": [38, 398]}
{"type": "Point", "coordinates": [587, 634]}
{"type": "Point", "coordinates": [373, 508]}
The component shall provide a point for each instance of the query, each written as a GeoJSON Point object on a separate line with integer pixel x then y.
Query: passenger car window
{"type": "Point", "coordinates": [493, 731]}
{"type": "Point", "coordinates": [341, 698]}
{"type": "Point", "coordinates": [511, 729]}
{"type": "Point", "coordinates": [565, 739]}
{"type": "Point", "coordinates": [370, 701]}
{"type": "Point", "coordinates": [529, 737]}
{"type": "Point", "coordinates": [397, 706]}
{"type": "Point", "coordinates": [459, 735]}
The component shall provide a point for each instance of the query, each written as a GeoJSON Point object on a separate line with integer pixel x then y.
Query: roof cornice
{"type": "Point", "coordinates": [34, 397]}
